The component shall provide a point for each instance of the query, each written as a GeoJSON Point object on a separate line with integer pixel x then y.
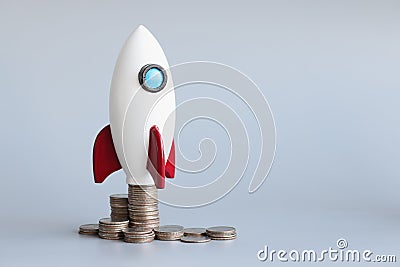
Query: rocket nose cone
{"type": "Point", "coordinates": [141, 28]}
{"type": "Point", "coordinates": [143, 34]}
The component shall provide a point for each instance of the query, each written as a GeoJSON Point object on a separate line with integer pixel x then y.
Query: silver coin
{"type": "Point", "coordinates": [141, 186]}
{"type": "Point", "coordinates": [145, 217]}
{"type": "Point", "coordinates": [169, 232]}
{"type": "Point", "coordinates": [194, 231]}
{"type": "Point", "coordinates": [123, 215]}
{"type": "Point", "coordinates": [142, 190]}
{"type": "Point", "coordinates": [111, 226]}
{"type": "Point", "coordinates": [195, 239]}
{"type": "Point", "coordinates": [110, 222]}
{"type": "Point", "coordinates": [223, 238]}
{"type": "Point", "coordinates": [119, 196]}
{"type": "Point", "coordinates": [138, 213]}
{"type": "Point", "coordinates": [143, 211]}
{"type": "Point", "coordinates": [153, 198]}
{"type": "Point", "coordinates": [146, 224]}
{"type": "Point", "coordinates": [143, 225]}
{"type": "Point", "coordinates": [141, 229]}
{"type": "Point", "coordinates": [220, 230]}
{"type": "Point", "coordinates": [89, 227]}
{"type": "Point", "coordinates": [119, 218]}
{"type": "Point", "coordinates": [146, 197]}
{"type": "Point", "coordinates": [109, 231]}
{"type": "Point", "coordinates": [148, 201]}
{"type": "Point", "coordinates": [141, 193]}
{"type": "Point", "coordinates": [168, 238]}
{"type": "Point", "coordinates": [169, 229]}
{"type": "Point", "coordinates": [119, 207]}
{"type": "Point", "coordinates": [139, 236]}
{"type": "Point", "coordinates": [112, 229]}
{"type": "Point", "coordinates": [146, 228]}
{"type": "Point", "coordinates": [137, 231]}
{"type": "Point", "coordinates": [111, 234]}
{"type": "Point", "coordinates": [144, 200]}
{"type": "Point", "coordinates": [172, 238]}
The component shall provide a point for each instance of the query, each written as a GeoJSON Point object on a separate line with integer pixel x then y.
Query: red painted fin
{"type": "Point", "coordinates": [170, 166]}
{"type": "Point", "coordinates": [105, 160]}
{"type": "Point", "coordinates": [156, 161]}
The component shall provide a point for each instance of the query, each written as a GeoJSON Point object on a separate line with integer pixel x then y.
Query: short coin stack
{"type": "Point", "coordinates": [89, 229]}
{"type": "Point", "coordinates": [138, 235]}
{"type": "Point", "coordinates": [143, 207]}
{"type": "Point", "coordinates": [194, 231]}
{"type": "Point", "coordinates": [169, 232]}
{"type": "Point", "coordinates": [221, 233]}
{"type": "Point", "coordinates": [109, 229]}
{"type": "Point", "coordinates": [195, 235]}
{"type": "Point", "coordinates": [119, 207]}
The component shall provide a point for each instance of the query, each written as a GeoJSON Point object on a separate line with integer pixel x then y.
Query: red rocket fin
{"type": "Point", "coordinates": [156, 161]}
{"type": "Point", "coordinates": [105, 160]}
{"type": "Point", "coordinates": [170, 166]}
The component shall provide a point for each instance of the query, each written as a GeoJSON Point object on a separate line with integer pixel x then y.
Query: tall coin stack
{"type": "Point", "coordinates": [119, 207]}
{"type": "Point", "coordinates": [143, 207]}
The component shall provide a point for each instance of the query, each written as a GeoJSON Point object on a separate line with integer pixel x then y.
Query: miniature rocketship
{"type": "Point", "coordinates": [142, 119]}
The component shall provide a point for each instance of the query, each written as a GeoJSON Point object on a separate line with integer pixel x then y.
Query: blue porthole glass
{"type": "Point", "coordinates": [152, 78]}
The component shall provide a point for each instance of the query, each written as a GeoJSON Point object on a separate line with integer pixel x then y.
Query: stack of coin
{"type": "Point", "coordinates": [109, 229]}
{"type": "Point", "coordinates": [194, 231]}
{"type": "Point", "coordinates": [138, 235]}
{"type": "Point", "coordinates": [143, 206]}
{"type": "Point", "coordinates": [89, 229]}
{"type": "Point", "coordinates": [221, 232]}
{"type": "Point", "coordinates": [169, 232]}
{"type": "Point", "coordinates": [119, 207]}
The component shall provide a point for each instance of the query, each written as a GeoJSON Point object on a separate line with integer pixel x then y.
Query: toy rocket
{"type": "Point", "coordinates": [140, 135]}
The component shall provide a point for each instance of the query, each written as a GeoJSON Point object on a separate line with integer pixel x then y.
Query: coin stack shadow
{"type": "Point", "coordinates": [109, 229]}
{"type": "Point", "coordinates": [143, 207]}
{"type": "Point", "coordinates": [119, 207]}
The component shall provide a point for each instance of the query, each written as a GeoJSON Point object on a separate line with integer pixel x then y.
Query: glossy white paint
{"type": "Point", "coordinates": [133, 110]}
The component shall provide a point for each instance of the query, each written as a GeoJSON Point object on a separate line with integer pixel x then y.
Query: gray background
{"type": "Point", "coordinates": [329, 69]}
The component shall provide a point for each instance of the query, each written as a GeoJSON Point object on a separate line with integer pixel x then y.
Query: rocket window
{"type": "Point", "coordinates": [152, 78]}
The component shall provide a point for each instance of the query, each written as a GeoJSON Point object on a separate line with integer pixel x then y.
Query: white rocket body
{"type": "Point", "coordinates": [133, 110]}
